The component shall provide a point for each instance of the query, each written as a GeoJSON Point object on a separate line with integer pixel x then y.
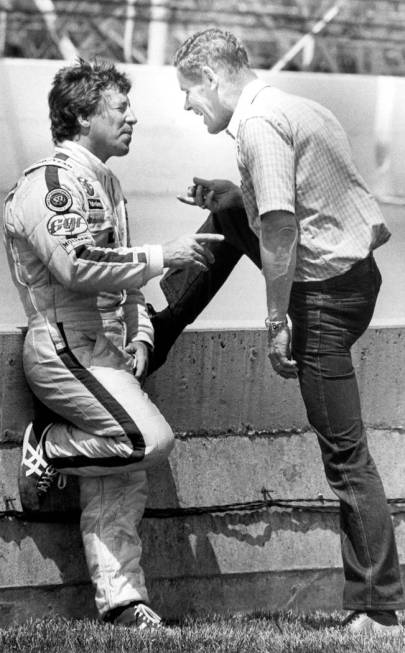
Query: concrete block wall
{"type": "Point", "coordinates": [239, 429]}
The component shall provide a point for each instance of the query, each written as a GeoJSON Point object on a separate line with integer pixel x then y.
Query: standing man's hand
{"type": "Point", "coordinates": [140, 352]}
{"type": "Point", "coordinates": [279, 345]}
{"type": "Point", "coordinates": [189, 251]}
{"type": "Point", "coordinates": [217, 194]}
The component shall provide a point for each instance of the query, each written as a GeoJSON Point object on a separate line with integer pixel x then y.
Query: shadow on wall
{"type": "Point", "coordinates": [46, 571]}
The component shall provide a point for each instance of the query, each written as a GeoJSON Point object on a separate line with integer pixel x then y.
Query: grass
{"type": "Point", "coordinates": [278, 633]}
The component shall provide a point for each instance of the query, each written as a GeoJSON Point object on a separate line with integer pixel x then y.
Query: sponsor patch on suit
{"type": "Point", "coordinates": [95, 204]}
{"type": "Point", "coordinates": [70, 245]}
{"type": "Point", "coordinates": [86, 185]}
{"type": "Point", "coordinates": [59, 199]}
{"type": "Point", "coordinates": [67, 225]}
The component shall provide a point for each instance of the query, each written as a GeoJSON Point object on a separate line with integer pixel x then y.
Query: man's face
{"type": "Point", "coordinates": [110, 131]}
{"type": "Point", "coordinates": [203, 98]}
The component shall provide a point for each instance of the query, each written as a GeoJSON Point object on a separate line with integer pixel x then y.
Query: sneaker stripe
{"type": "Point", "coordinates": [33, 457]}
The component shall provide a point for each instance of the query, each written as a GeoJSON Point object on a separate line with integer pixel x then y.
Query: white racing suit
{"type": "Point", "coordinates": [79, 279]}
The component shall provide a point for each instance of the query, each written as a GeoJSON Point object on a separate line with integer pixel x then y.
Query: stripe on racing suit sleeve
{"type": "Point", "coordinates": [102, 255]}
{"type": "Point", "coordinates": [52, 173]}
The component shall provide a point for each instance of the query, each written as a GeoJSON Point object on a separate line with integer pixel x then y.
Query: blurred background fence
{"type": "Point", "coordinates": [349, 36]}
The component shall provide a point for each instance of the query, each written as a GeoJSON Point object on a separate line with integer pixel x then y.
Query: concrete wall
{"type": "Point", "coordinates": [239, 429]}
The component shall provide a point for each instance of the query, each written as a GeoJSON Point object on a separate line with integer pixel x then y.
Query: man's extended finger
{"type": "Point", "coordinates": [208, 238]}
{"type": "Point", "coordinates": [186, 200]}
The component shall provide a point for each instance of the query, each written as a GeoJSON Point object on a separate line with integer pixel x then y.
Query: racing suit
{"type": "Point", "coordinates": [78, 278]}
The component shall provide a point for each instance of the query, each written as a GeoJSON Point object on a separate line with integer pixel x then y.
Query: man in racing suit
{"type": "Point", "coordinates": [89, 334]}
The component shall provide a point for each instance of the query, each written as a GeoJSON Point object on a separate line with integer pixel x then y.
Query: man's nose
{"type": "Point", "coordinates": [131, 117]}
{"type": "Point", "coordinates": [187, 105]}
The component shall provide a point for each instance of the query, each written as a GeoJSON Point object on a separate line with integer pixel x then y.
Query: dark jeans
{"type": "Point", "coordinates": [327, 318]}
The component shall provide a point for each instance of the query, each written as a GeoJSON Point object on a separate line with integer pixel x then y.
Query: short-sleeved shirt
{"type": "Point", "coordinates": [293, 155]}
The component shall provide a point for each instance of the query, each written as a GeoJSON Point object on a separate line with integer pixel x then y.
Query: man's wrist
{"type": "Point", "coordinates": [274, 326]}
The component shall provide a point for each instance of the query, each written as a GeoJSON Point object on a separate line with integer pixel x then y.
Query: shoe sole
{"type": "Point", "coordinates": [377, 629]}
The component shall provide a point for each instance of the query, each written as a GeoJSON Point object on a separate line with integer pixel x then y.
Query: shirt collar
{"type": "Point", "coordinates": [84, 157]}
{"type": "Point", "coordinates": [246, 98]}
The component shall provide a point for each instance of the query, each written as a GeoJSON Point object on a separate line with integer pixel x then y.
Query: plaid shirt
{"type": "Point", "coordinates": [293, 155]}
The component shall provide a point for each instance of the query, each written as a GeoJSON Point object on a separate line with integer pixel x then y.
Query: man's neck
{"type": "Point", "coordinates": [233, 88]}
{"type": "Point", "coordinates": [81, 139]}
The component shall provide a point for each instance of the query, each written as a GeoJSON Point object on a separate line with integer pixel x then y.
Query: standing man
{"type": "Point", "coordinates": [89, 335]}
{"type": "Point", "coordinates": [305, 217]}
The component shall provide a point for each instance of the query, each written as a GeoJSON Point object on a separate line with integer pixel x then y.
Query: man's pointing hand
{"type": "Point", "coordinates": [189, 251]}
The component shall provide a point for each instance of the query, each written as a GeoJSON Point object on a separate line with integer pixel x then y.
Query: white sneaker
{"type": "Point", "coordinates": [138, 616]}
{"type": "Point", "coordinates": [362, 623]}
{"type": "Point", "coordinates": [36, 475]}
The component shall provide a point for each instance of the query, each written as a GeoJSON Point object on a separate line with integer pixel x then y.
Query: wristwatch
{"type": "Point", "coordinates": [274, 326]}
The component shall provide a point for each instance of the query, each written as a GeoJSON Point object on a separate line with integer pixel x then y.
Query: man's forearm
{"type": "Point", "coordinates": [278, 246]}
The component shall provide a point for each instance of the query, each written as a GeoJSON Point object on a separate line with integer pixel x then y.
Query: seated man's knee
{"type": "Point", "coordinates": [166, 440]}
{"type": "Point", "coordinates": [159, 442]}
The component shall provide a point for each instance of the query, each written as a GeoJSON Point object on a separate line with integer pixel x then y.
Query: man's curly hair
{"type": "Point", "coordinates": [76, 91]}
{"type": "Point", "coordinates": [212, 47]}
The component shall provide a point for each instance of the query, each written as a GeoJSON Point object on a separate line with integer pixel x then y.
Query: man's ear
{"type": "Point", "coordinates": [84, 123]}
{"type": "Point", "coordinates": [210, 76]}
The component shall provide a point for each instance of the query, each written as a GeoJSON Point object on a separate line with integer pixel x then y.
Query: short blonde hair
{"type": "Point", "coordinates": [212, 47]}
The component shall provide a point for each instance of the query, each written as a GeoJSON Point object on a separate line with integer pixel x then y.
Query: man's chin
{"type": "Point", "coordinates": [214, 129]}
{"type": "Point", "coordinates": [210, 127]}
{"type": "Point", "coordinates": [122, 150]}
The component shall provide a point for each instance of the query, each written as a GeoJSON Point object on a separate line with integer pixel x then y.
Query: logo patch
{"type": "Point", "coordinates": [95, 203]}
{"type": "Point", "coordinates": [95, 218]}
{"type": "Point", "coordinates": [67, 225]}
{"type": "Point", "coordinates": [70, 245]}
{"type": "Point", "coordinates": [59, 199]}
{"type": "Point", "coordinates": [86, 185]}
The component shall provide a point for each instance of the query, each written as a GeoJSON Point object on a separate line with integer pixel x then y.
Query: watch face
{"type": "Point", "coordinates": [276, 326]}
